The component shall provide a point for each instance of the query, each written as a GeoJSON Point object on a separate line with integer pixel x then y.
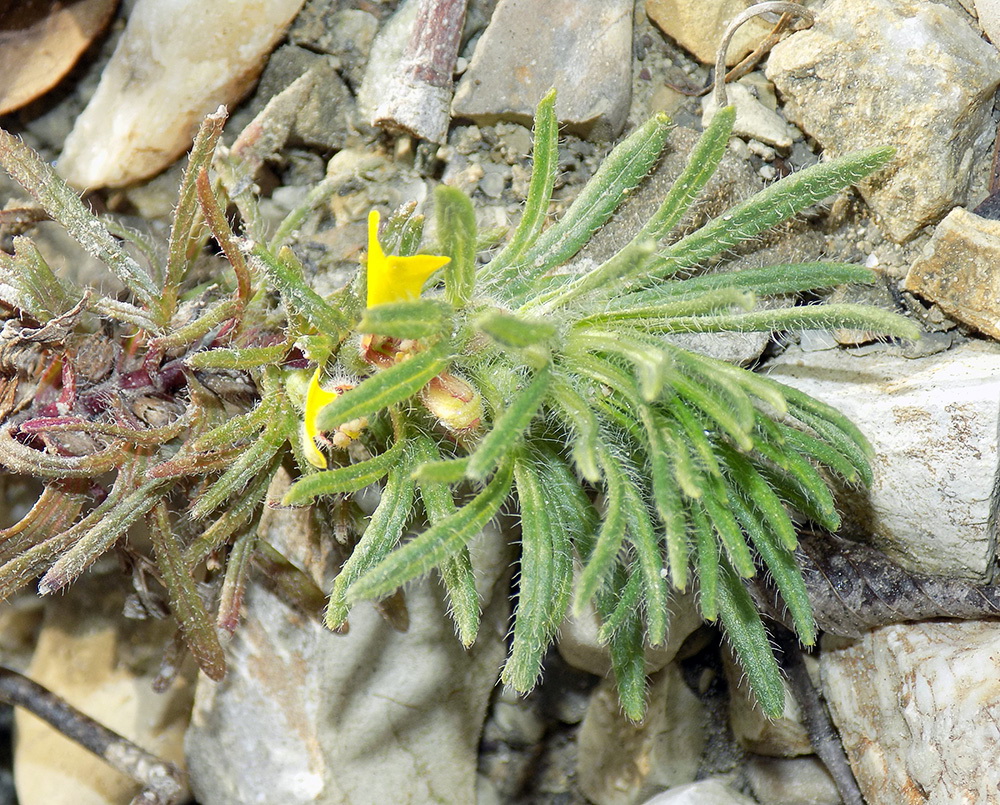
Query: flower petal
{"type": "Point", "coordinates": [392, 278]}
{"type": "Point", "coordinates": [317, 398]}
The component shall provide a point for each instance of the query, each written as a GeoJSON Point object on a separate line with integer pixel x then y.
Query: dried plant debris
{"type": "Point", "coordinates": [456, 385]}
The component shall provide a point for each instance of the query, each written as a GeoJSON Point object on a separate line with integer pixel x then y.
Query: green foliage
{"type": "Point", "coordinates": [506, 381]}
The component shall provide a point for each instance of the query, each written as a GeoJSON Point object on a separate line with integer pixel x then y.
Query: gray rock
{"type": "Point", "coordinates": [917, 709]}
{"type": "Point", "coordinates": [957, 270]}
{"type": "Point", "coordinates": [377, 715]}
{"type": "Point", "coordinates": [791, 781]}
{"type": "Point", "coordinates": [932, 422]}
{"type": "Point", "coordinates": [699, 27]}
{"type": "Point", "coordinates": [705, 792]}
{"type": "Point", "coordinates": [344, 33]}
{"type": "Point", "coordinates": [621, 763]}
{"type": "Point", "coordinates": [834, 77]}
{"type": "Point", "coordinates": [530, 46]}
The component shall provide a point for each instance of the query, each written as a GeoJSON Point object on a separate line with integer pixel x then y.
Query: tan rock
{"type": "Point", "coordinates": [958, 270]}
{"type": "Point", "coordinates": [104, 665]}
{"type": "Point", "coordinates": [699, 27]}
{"type": "Point", "coordinates": [621, 763]}
{"type": "Point", "coordinates": [177, 61]}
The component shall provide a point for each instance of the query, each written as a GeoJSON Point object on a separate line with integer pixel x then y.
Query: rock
{"type": "Point", "coordinates": [957, 270]}
{"type": "Point", "coordinates": [177, 61]}
{"type": "Point", "coordinates": [583, 50]}
{"type": "Point", "coordinates": [621, 763]}
{"type": "Point", "coordinates": [988, 12]}
{"type": "Point", "coordinates": [579, 647]}
{"type": "Point", "coordinates": [833, 78]}
{"type": "Point", "coordinates": [103, 664]}
{"type": "Point", "coordinates": [346, 34]}
{"type": "Point", "coordinates": [753, 119]}
{"type": "Point", "coordinates": [699, 27]}
{"type": "Point", "coordinates": [932, 422]}
{"type": "Point", "coordinates": [375, 715]}
{"type": "Point", "coordinates": [917, 709]}
{"type": "Point", "coordinates": [791, 781]}
{"type": "Point", "coordinates": [308, 105]}
{"type": "Point", "coordinates": [777, 737]}
{"type": "Point", "coordinates": [705, 792]}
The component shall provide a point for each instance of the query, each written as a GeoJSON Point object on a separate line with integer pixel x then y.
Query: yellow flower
{"type": "Point", "coordinates": [317, 398]}
{"type": "Point", "coordinates": [396, 279]}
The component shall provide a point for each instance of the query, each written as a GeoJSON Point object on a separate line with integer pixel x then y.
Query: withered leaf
{"type": "Point", "coordinates": [854, 588]}
{"type": "Point", "coordinates": [40, 41]}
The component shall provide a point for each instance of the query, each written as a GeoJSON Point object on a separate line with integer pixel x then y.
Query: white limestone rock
{"type": "Point", "coordinates": [176, 62]}
{"type": "Point", "coordinates": [932, 422]}
{"type": "Point", "coordinates": [705, 792]}
{"type": "Point", "coordinates": [754, 120]}
{"type": "Point", "coordinates": [834, 76]}
{"type": "Point", "coordinates": [621, 763]}
{"type": "Point", "coordinates": [308, 716]}
{"type": "Point", "coordinates": [583, 50]}
{"type": "Point", "coordinates": [918, 709]}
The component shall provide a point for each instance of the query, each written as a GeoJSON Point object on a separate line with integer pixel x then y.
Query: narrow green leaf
{"type": "Point", "coordinates": [628, 660]}
{"type": "Point", "coordinates": [532, 617]}
{"type": "Point", "coordinates": [652, 570]}
{"type": "Point", "coordinates": [581, 420]}
{"type": "Point", "coordinates": [771, 206]}
{"type": "Point", "coordinates": [805, 317]}
{"type": "Point", "coordinates": [545, 161]}
{"type": "Point", "coordinates": [456, 570]}
{"type": "Point", "coordinates": [179, 256]}
{"type": "Point", "coordinates": [244, 469]}
{"type": "Point", "coordinates": [629, 602]}
{"type": "Point", "coordinates": [60, 201]}
{"type": "Point", "coordinates": [235, 516]}
{"type": "Point", "coordinates": [420, 318]}
{"type": "Point", "coordinates": [623, 169]}
{"type": "Point", "coordinates": [297, 215]}
{"type": "Point", "coordinates": [644, 306]}
{"type": "Point", "coordinates": [745, 632]}
{"type": "Point", "coordinates": [599, 564]}
{"type": "Point", "coordinates": [512, 331]}
{"type": "Point", "coordinates": [238, 359]}
{"type": "Point", "coordinates": [707, 557]}
{"type": "Point", "coordinates": [651, 362]}
{"type": "Point", "coordinates": [749, 485]}
{"type": "Point", "coordinates": [785, 572]}
{"type": "Point", "coordinates": [701, 166]}
{"type": "Point", "coordinates": [717, 503]}
{"type": "Point", "coordinates": [385, 528]}
{"type": "Point", "coordinates": [385, 388]}
{"type": "Point", "coordinates": [285, 273]}
{"type": "Point", "coordinates": [100, 534]}
{"type": "Point", "coordinates": [818, 450]}
{"type": "Point", "coordinates": [445, 471]}
{"type": "Point", "coordinates": [718, 408]}
{"type": "Point", "coordinates": [437, 543]}
{"type": "Point", "coordinates": [667, 498]}
{"type": "Point", "coordinates": [42, 293]}
{"type": "Point", "coordinates": [795, 477]}
{"type": "Point", "coordinates": [185, 601]}
{"type": "Point", "coordinates": [342, 480]}
{"type": "Point", "coordinates": [456, 230]}
{"type": "Point", "coordinates": [509, 428]}
{"type": "Point", "coordinates": [785, 278]}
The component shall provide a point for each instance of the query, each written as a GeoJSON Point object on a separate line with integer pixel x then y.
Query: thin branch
{"type": "Point", "coordinates": [417, 99]}
{"type": "Point", "coordinates": [163, 783]}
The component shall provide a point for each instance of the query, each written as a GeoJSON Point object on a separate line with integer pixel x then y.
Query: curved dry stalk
{"type": "Point", "coordinates": [163, 783]}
